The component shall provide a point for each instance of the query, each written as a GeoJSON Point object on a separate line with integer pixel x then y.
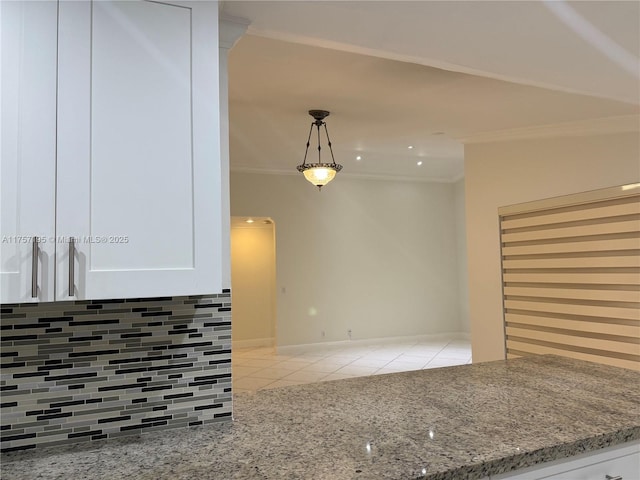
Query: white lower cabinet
{"type": "Point", "coordinates": [621, 462]}
{"type": "Point", "coordinates": [117, 168]}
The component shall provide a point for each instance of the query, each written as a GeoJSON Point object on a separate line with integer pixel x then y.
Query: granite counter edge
{"type": "Point", "coordinates": [520, 460]}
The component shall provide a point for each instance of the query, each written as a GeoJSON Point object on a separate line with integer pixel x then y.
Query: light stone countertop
{"type": "Point", "coordinates": [463, 422]}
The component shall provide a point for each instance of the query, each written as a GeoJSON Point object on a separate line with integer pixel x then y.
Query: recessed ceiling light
{"type": "Point", "coordinates": [358, 157]}
{"type": "Point", "coordinates": [419, 163]}
{"type": "Point", "coordinates": [249, 220]}
{"type": "Point", "coordinates": [410, 147]}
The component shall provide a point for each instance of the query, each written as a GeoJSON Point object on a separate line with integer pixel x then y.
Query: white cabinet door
{"type": "Point", "coordinates": [28, 138]}
{"type": "Point", "coordinates": [138, 176]}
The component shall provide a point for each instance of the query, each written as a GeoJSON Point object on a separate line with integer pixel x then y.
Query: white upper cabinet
{"type": "Point", "coordinates": [28, 149]}
{"type": "Point", "coordinates": [138, 150]}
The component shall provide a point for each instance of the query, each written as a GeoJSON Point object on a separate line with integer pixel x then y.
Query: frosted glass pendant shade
{"type": "Point", "coordinates": [320, 175]}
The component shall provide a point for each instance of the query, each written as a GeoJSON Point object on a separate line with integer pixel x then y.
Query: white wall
{"type": "Point", "coordinates": [507, 173]}
{"type": "Point", "coordinates": [461, 256]}
{"type": "Point", "coordinates": [376, 257]}
{"type": "Point", "coordinates": [253, 284]}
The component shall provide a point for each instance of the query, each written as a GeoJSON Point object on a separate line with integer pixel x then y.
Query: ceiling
{"type": "Point", "coordinates": [443, 74]}
{"type": "Point", "coordinates": [251, 222]}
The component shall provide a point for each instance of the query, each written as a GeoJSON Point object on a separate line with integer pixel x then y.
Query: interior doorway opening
{"type": "Point", "coordinates": [253, 281]}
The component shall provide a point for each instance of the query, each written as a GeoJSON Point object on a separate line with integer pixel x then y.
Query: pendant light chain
{"type": "Point", "coordinates": [329, 143]}
{"type": "Point", "coordinates": [318, 123]}
{"type": "Point", "coordinates": [308, 143]}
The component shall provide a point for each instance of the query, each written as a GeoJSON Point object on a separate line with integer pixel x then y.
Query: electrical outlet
{"type": "Point", "coordinates": [322, 333]}
{"type": "Point", "coordinates": [349, 334]}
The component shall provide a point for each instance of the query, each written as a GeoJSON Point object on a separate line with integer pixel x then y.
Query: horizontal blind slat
{"type": "Point", "coordinates": [592, 211]}
{"type": "Point", "coordinates": [585, 318]}
{"type": "Point", "coordinates": [575, 293]}
{"type": "Point", "coordinates": [533, 349]}
{"type": "Point", "coordinates": [577, 341]}
{"type": "Point", "coordinates": [573, 309]}
{"type": "Point", "coordinates": [572, 343]}
{"type": "Point", "coordinates": [573, 262]}
{"type": "Point", "coordinates": [570, 278]}
{"type": "Point", "coordinates": [533, 321]}
{"type": "Point", "coordinates": [567, 232]}
{"type": "Point", "coordinates": [573, 246]}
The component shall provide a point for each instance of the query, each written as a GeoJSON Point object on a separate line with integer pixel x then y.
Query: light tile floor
{"type": "Point", "coordinates": [262, 368]}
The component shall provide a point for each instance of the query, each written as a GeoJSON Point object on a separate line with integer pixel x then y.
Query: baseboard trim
{"type": "Point", "coordinates": [293, 349]}
{"type": "Point", "coordinates": [254, 342]}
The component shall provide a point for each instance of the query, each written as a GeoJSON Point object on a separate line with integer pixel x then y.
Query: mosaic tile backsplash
{"type": "Point", "coordinates": [89, 370]}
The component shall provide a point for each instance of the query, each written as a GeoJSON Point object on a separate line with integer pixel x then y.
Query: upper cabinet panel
{"type": "Point", "coordinates": [138, 149]}
{"type": "Point", "coordinates": [141, 150]}
{"type": "Point", "coordinates": [27, 169]}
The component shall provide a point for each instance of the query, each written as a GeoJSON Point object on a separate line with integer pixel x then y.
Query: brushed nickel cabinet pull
{"type": "Point", "coordinates": [72, 254]}
{"type": "Point", "coordinates": [34, 267]}
{"type": "Point", "coordinates": [609, 477]}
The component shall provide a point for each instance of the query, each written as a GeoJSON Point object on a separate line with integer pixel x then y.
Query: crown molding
{"type": "Point", "coordinates": [356, 176]}
{"type": "Point", "coordinates": [231, 28]}
{"type": "Point", "coordinates": [596, 126]}
{"type": "Point", "coordinates": [457, 178]}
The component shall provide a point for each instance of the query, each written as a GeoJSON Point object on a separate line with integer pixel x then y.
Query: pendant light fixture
{"type": "Point", "coordinates": [319, 173]}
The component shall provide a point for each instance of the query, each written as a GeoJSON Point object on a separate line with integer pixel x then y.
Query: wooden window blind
{"type": "Point", "coordinates": [571, 276]}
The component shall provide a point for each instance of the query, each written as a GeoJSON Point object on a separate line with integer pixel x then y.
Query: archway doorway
{"type": "Point", "coordinates": [253, 281]}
